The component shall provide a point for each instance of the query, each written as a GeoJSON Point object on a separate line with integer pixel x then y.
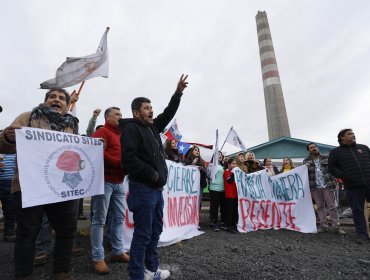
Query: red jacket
{"type": "Point", "coordinates": [113, 171]}
{"type": "Point", "coordinates": [230, 187]}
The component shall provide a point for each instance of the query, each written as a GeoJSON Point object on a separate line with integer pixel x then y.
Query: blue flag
{"type": "Point", "coordinates": [183, 147]}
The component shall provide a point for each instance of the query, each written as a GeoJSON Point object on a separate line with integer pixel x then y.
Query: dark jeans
{"type": "Point", "coordinates": [357, 197]}
{"type": "Point", "coordinates": [80, 206]}
{"type": "Point", "coordinates": [217, 201]}
{"type": "Point", "coordinates": [62, 217]}
{"type": "Point", "coordinates": [7, 202]}
{"type": "Point", "coordinates": [231, 212]}
{"type": "Point", "coordinates": [147, 206]}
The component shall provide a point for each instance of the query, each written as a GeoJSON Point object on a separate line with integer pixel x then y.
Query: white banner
{"type": "Point", "coordinates": [181, 206]}
{"type": "Point", "coordinates": [56, 166]}
{"type": "Point", "coordinates": [281, 201]}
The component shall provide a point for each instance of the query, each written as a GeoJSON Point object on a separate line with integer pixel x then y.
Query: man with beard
{"type": "Point", "coordinates": [322, 185]}
{"type": "Point", "coordinates": [62, 215]}
{"type": "Point", "coordinates": [143, 160]}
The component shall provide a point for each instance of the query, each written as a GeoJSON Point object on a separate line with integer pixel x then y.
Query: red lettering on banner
{"type": "Point", "coordinates": [289, 216]}
{"type": "Point", "coordinates": [183, 211]}
{"type": "Point", "coordinates": [244, 214]}
{"type": "Point", "coordinates": [262, 214]}
{"type": "Point", "coordinates": [251, 213]}
{"type": "Point", "coordinates": [276, 215]}
{"type": "Point", "coordinates": [267, 214]}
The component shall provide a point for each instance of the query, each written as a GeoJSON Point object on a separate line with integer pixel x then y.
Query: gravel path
{"type": "Point", "coordinates": [265, 254]}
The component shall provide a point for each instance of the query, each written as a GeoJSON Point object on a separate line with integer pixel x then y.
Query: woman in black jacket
{"type": "Point", "coordinates": [172, 153]}
{"type": "Point", "coordinates": [192, 157]}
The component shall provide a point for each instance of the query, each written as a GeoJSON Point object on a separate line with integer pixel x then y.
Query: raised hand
{"type": "Point", "coordinates": [96, 112]}
{"type": "Point", "coordinates": [182, 84]}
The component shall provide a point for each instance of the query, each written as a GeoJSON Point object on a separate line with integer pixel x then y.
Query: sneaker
{"type": "Point", "coordinates": [82, 217]}
{"type": "Point", "coordinates": [216, 228]}
{"type": "Point", "coordinates": [340, 231]}
{"type": "Point", "coordinates": [101, 267]}
{"type": "Point", "coordinates": [232, 230]}
{"type": "Point", "coordinates": [322, 229]}
{"type": "Point", "coordinates": [123, 258]}
{"type": "Point", "coordinates": [161, 274]}
{"type": "Point", "coordinates": [223, 226]}
{"type": "Point", "coordinates": [40, 260]}
{"type": "Point", "coordinates": [361, 239]}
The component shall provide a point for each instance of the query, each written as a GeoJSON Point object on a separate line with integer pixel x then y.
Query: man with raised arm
{"type": "Point", "coordinates": [144, 162]}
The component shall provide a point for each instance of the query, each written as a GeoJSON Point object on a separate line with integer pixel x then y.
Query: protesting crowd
{"type": "Point", "coordinates": [133, 148]}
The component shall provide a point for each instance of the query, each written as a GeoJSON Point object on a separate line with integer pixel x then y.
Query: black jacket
{"type": "Point", "coordinates": [142, 153]}
{"type": "Point", "coordinates": [352, 164]}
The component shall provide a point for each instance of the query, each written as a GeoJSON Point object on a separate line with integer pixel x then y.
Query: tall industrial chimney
{"type": "Point", "coordinates": [277, 119]}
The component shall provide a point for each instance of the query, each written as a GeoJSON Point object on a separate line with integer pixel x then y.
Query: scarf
{"type": "Point", "coordinates": [56, 120]}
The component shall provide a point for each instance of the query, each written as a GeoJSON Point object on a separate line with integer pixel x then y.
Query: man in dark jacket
{"type": "Point", "coordinates": [351, 163]}
{"type": "Point", "coordinates": [144, 162]}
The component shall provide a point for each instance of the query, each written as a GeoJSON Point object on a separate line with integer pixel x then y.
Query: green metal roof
{"type": "Point", "coordinates": [286, 147]}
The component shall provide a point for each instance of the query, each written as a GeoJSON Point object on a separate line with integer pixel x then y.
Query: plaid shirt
{"type": "Point", "coordinates": [330, 181]}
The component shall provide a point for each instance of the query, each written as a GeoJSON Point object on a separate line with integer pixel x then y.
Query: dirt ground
{"type": "Point", "coordinates": [265, 254]}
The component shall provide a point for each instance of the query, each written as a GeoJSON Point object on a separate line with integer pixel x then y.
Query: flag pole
{"type": "Point", "coordinates": [77, 94]}
{"type": "Point", "coordinates": [225, 139]}
{"type": "Point", "coordinates": [81, 86]}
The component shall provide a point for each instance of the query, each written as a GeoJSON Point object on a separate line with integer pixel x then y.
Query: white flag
{"type": "Point", "coordinates": [213, 166]}
{"type": "Point", "coordinates": [233, 139]}
{"type": "Point", "coordinates": [78, 69]}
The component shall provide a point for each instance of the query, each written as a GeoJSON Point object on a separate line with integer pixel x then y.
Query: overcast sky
{"type": "Point", "coordinates": [322, 50]}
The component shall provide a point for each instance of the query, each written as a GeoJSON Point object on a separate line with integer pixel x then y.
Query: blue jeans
{"type": "Point", "coordinates": [357, 197]}
{"type": "Point", "coordinates": [146, 204]}
{"type": "Point", "coordinates": [7, 202]}
{"type": "Point", "coordinates": [43, 240]}
{"type": "Point", "coordinates": [113, 198]}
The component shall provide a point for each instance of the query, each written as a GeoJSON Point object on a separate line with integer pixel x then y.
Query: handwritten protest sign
{"type": "Point", "coordinates": [281, 201]}
{"type": "Point", "coordinates": [181, 206]}
{"type": "Point", "coordinates": [55, 166]}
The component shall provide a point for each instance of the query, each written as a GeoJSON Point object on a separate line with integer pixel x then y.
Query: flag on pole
{"type": "Point", "coordinates": [163, 137]}
{"type": "Point", "coordinates": [213, 166]}
{"type": "Point", "coordinates": [233, 139]}
{"type": "Point", "coordinates": [201, 145]}
{"type": "Point", "coordinates": [78, 69]}
{"type": "Point", "coordinates": [173, 132]}
{"type": "Point", "coordinates": [183, 147]}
